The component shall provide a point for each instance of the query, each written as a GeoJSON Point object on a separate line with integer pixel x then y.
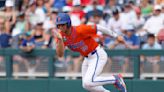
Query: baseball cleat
{"type": "Point", "coordinates": [120, 84]}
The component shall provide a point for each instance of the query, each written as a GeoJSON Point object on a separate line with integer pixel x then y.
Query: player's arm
{"type": "Point", "coordinates": [106, 31]}
{"type": "Point", "coordinates": [59, 45]}
{"type": "Point", "coordinates": [60, 48]}
{"type": "Point", "coordinates": [110, 33]}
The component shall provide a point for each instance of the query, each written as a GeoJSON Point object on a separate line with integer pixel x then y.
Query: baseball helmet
{"type": "Point", "coordinates": [63, 18]}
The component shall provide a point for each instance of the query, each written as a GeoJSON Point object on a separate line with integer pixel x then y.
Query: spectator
{"type": "Point", "coordinates": [9, 14]}
{"type": "Point", "coordinates": [96, 19]}
{"type": "Point", "coordinates": [155, 23]}
{"type": "Point", "coordinates": [146, 8]}
{"type": "Point", "coordinates": [111, 4]}
{"type": "Point", "coordinates": [94, 6]}
{"type": "Point", "coordinates": [129, 15]}
{"type": "Point", "coordinates": [77, 11]}
{"type": "Point", "coordinates": [47, 7]}
{"type": "Point", "coordinates": [49, 23]}
{"type": "Point", "coordinates": [108, 9]}
{"type": "Point", "coordinates": [39, 36]}
{"type": "Point", "coordinates": [75, 20]}
{"type": "Point", "coordinates": [154, 60]}
{"type": "Point", "coordinates": [132, 4]}
{"type": "Point", "coordinates": [59, 4]}
{"type": "Point", "coordinates": [161, 37]}
{"type": "Point", "coordinates": [49, 28]}
{"type": "Point", "coordinates": [31, 16]}
{"type": "Point", "coordinates": [28, 45]}
{"type": "Point", "coordinates": [5, 39]}
{"type": "Point", "coordinates": [22, 5]}
{"type": "Point", "coordinates": [94, 10]}
{"type": "Point", "coordinates": [139, 22]}
{"type": "Point", "coordinates": [21, 27]}
{"type": "Point", "coordinates": [40, 10]}
{"type": "Point", "coordinates": [116, 22]}
{"type": "Point", "coordinates": [131, 42]}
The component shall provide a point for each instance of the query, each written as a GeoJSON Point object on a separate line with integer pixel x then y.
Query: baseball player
{"type": "Point", "coordinates": [82, 39]}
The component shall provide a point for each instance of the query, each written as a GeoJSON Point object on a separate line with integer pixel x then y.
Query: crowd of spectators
{"type": "Point", "coordinates": [30, 24]}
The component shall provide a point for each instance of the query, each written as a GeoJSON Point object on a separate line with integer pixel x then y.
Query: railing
{"type": "Point", "coordinates": [50, 53]}
{"type": "Point", "coordinates": [8, 53]}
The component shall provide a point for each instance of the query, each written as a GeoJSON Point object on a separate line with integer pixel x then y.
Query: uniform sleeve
{"type": "Point", "coordinates": [106, 31]}
{"type": "Point", "coordinates": [87, 29]}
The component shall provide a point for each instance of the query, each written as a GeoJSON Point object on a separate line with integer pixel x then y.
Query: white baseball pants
{"type": "Point", "coordinates": [91, 72]}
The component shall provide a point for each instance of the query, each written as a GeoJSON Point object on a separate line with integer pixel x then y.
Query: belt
{"type": "Point", "coordinates": [93, 52]}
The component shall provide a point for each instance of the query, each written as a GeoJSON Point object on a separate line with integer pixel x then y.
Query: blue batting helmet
{"type": "Point", "coordinates": [63, 18]}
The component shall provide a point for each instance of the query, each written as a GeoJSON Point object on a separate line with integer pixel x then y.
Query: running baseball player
{"type": "Point", "coordinates": [82, 39]}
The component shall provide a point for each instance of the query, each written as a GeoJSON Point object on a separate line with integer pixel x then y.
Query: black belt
{"type": "Point", "coordinates": [93, 52]}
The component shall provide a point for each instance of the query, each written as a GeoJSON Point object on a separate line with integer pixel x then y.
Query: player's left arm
{"type": "Point", "coordinates": [106, 31]}
{"type": "Point", "coordinates": [109, 32]}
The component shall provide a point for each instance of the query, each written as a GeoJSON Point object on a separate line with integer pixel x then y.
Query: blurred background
{"type": "Point", "coordinates": [27, 25]}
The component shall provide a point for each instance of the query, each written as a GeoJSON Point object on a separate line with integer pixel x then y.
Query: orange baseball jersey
{"type": "Point", "coordinates": [82, 39]}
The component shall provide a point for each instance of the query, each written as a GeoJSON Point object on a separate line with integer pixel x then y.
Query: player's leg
{"type": "Point", "coordinates": [91, 89]}
{"type": "Point", "coordinates": [119, 82]}
{"type": "Point", "coordinates": [95, 66]}
{"type": "Point", "coordinates": [93, 76]}
{"type": "Point", "coordinates": [84, 69]}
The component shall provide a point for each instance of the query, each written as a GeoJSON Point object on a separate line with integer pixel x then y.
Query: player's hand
{"type": "Point", "coordinates": [57, 35]}
{"type": "Point", "coordinates": [120, 39]}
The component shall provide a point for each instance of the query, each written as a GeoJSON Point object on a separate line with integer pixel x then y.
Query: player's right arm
{"type": "Point", "coordinates": [59, 45]}
{"type": "Point", "coordinates": [60, 48]}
